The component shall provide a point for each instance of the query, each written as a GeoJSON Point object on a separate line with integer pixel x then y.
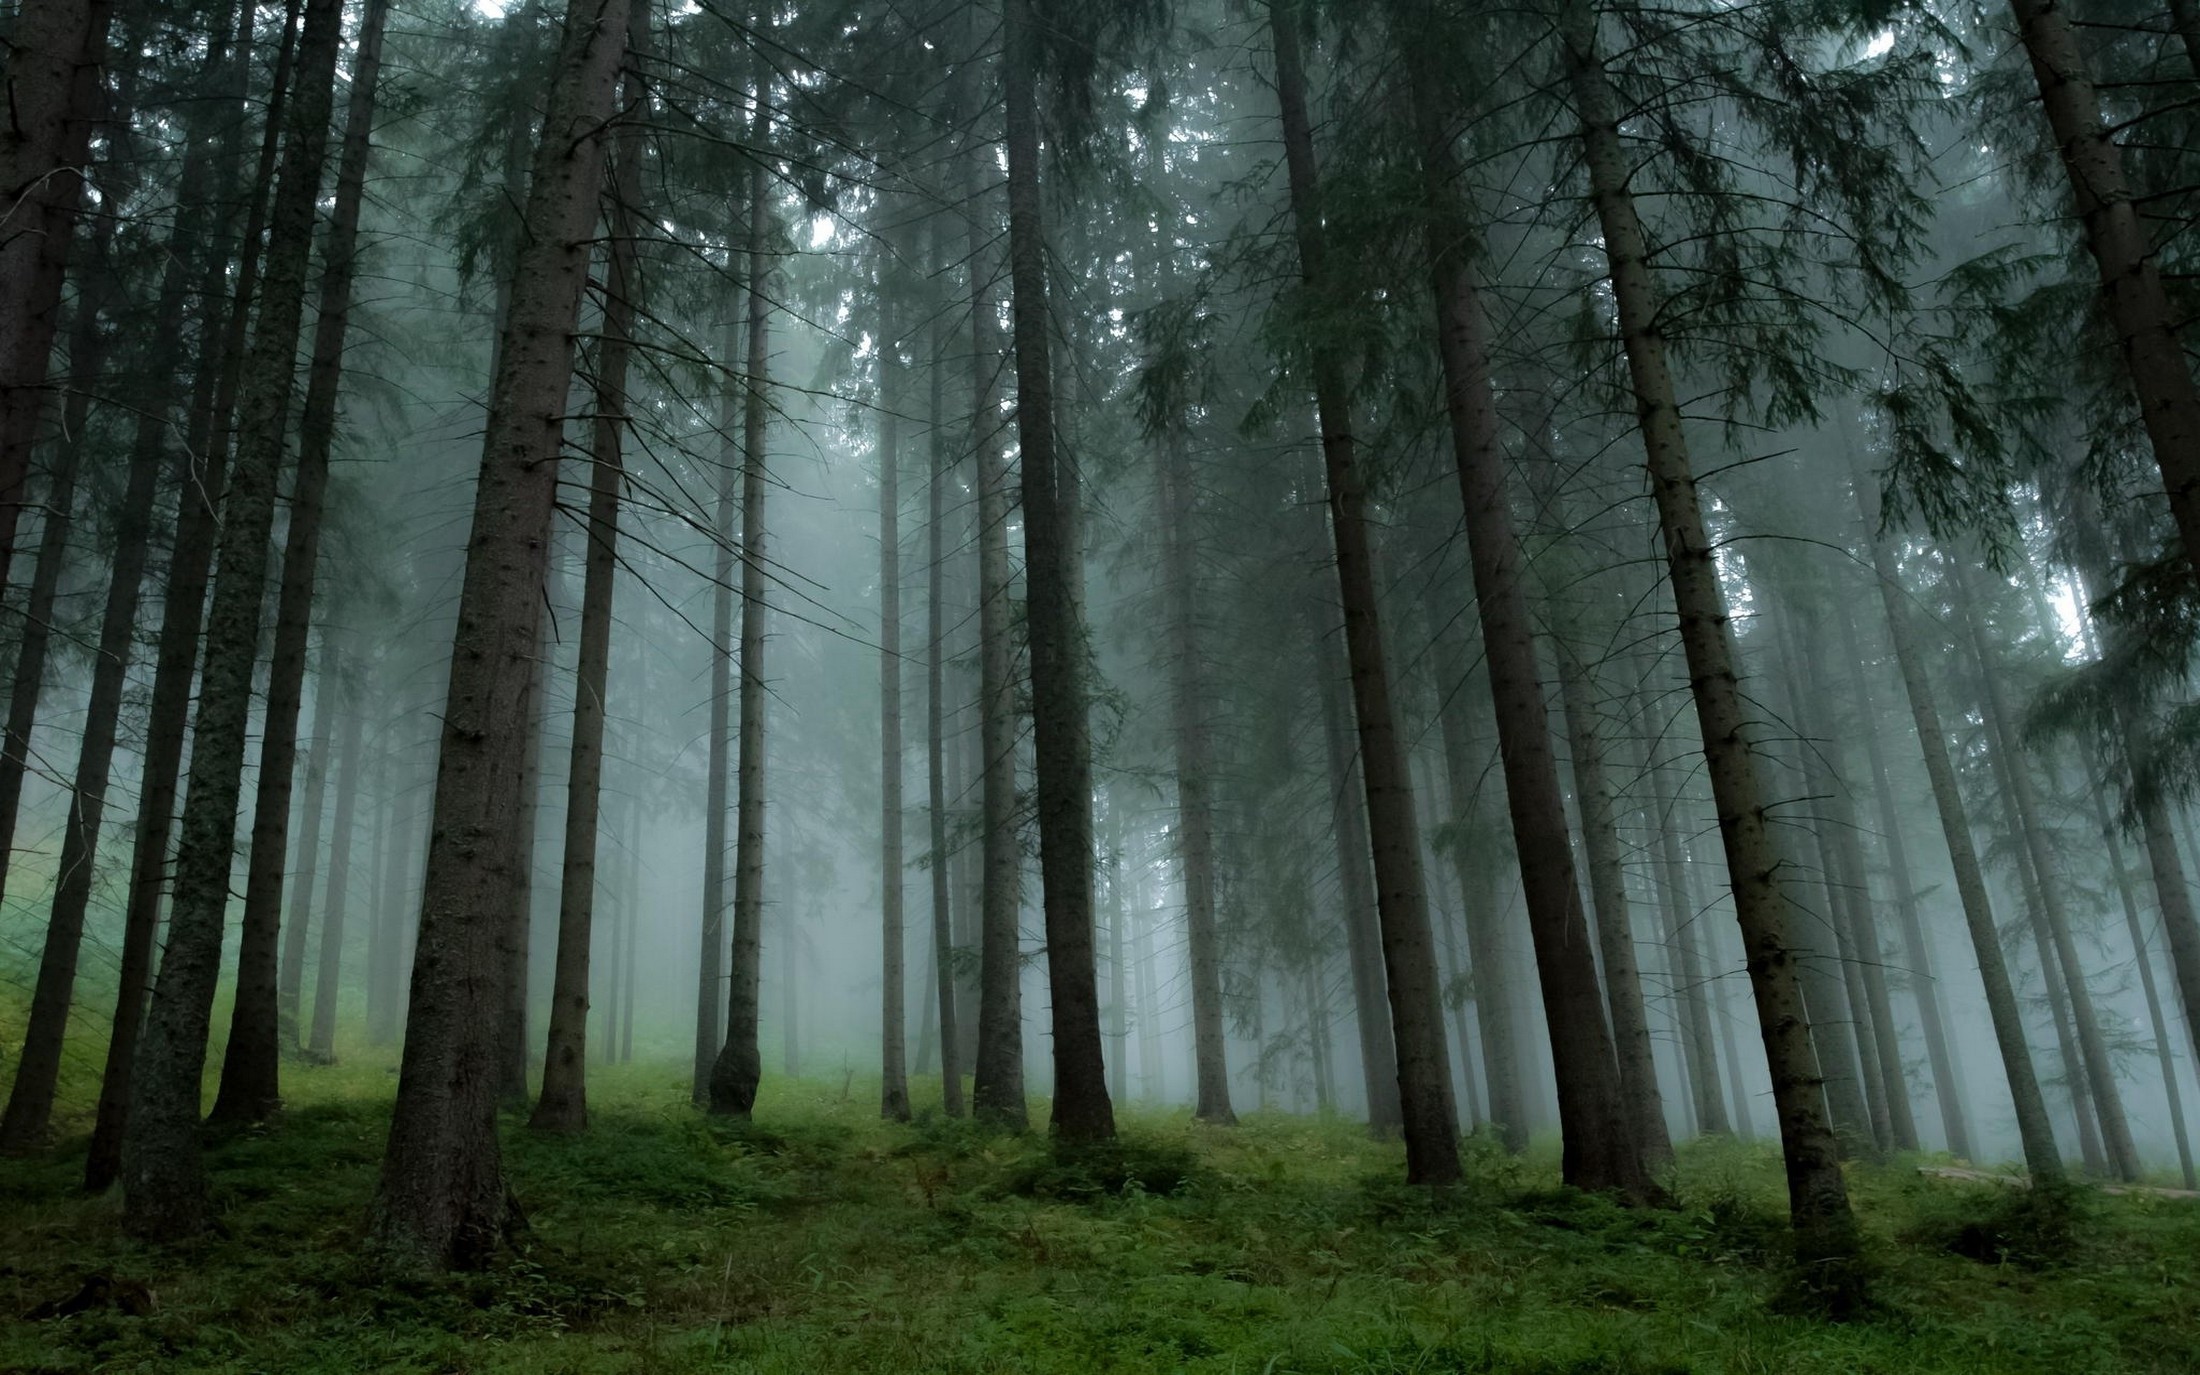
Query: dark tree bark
{"type": "Point", "coordinates": [2122, 247]}
{"type": "Point", "coordinates": [1818, 1203]}
{"type": "Point", "coordinates": [893, 1010]}
{"type": "Point", "coordinates": [442, 1197]}
{"type": "Point", "coordinates": [250, 1082]}
{"type": "Point", "coordinates": [164, 1183]}
{"type": "Point", "coordinates": [563, 1104]}
{"type": "Point", "coordinates": [739, 1068]}
{"type": "Point", "coordinates": [935, 725]}
{"type": "Point", "coordinates": [336, 899]}
{"type": "Point", "coordinates": [1431, 1124]}
{"type": "Point", "coordinates": [1054, 621]}
{"type": "Point", "coordinates": [997, 1086]}
{"type": "Point", "coordinates": [53, 89]}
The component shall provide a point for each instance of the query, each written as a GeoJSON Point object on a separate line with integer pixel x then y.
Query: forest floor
{"type": "Point", "coordinates": [820, 1239]}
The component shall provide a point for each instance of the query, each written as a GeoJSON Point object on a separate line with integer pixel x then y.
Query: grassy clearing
{"type": "Point", "coordinates": [822, 1240]}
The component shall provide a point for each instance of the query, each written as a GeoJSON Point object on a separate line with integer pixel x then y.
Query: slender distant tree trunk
{"type": "Point", "coordinates": [1431, 1124]}
{"type": "Point", "coordinates": [1456, 974]}
{"type": "Point", "coordinates": [2121, 243]}
{"type": "Point", "coordinates": [164, 1184]}
{"type": "Point", "coordinates": [290, 984]}
{"type": "Point", "coordinates": [563, 1104]}
{"type": "Point", "coordinates": [336, 898]}
{"type": "Point", "coordinates": [2144, 959]}
{"type": "Point", "coordinates": [1866, 956]}
{"type": "Point", "coordinates": [1054, 623]}
{"type": "Point", "coordinates": [893, 1012]}
{"type": "Point", "coordinates": [633, 904]}
{"type": "Point", "coordinates": [935, 724]}
{"type": "Point", "coordinates": [998, 1083]}
{"type": "Point", "coordinates": [1493, 996]}
{"type": "Point", "coordinates": [1924, 986]}
{"type": "Point", "coordinates": [739, 1068]}
{"type": "Point", "coordinates": [442, 1196]}
{"type": "Point", "coordinates": [1356, 895]}
{"type": "Point", "coordinates": [53, 89]}
{"type": "Point", "coordinates": [385, 988]}
{"type": "Point", "coordinates": [1826, 1236]}
{"type": "Point", "coordinates": [2033, 1127]}
{"type": "Point", "coordinates": [1678, 920]}
{"type": "Point", "coordinates": [1195, 829]}
{"type": "Point", "coordinates": [710, 995]}
{"type": "Point", "coordinates": [2099, 1070]}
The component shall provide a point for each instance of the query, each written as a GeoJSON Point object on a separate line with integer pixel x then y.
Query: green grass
{"type": "Point", "coordinates": [822, 1240]}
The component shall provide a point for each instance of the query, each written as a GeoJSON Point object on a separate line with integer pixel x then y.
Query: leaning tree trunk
{"type": "Point", "coordinates": [1054, 622]}
{"type": "Point", "coordinates": [250, 1082]}
{"type": "Point", "coordinates": [2033, 1127]}
{"type": "Point", "coordinates": [739, 1068]}
{"type": "Point", "coordinates": [52, 84]}
{"type": "Point", "coordinates": [335, 898]}
{"type": "Point", "coordinates": [935, 727]}
{"type": "Point", "coordinates": [2100, 1070]}
{"type": "Point", "coordinates": [441, 1197]}
{"type": "Point", "coordinates": [164, 1183]}
{"type": "Point", "coordinates": [1924, 985]}
{"type": "Point", "coordinates": [893, 1010]}
{"type": "Point", "coordinates": [1610, 1115]}
{"type": "Point", "coordinates": [563, 1104]}
{"type": "Point", "coordinates": [2121, 243]}
{"type": "Point", "coordinates": [1818, 1202]}
{"type": "Point", "coordinates": [1431, 1123]}
{"type": "Point", "coordinates": [30, 1100]}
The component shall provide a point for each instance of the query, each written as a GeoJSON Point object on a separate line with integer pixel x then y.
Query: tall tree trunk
{"type": "Point", "coordinates": [53, 89]}
{"type": "Point", "coordinates": [442, 1196]}
{"type": "Point", "coordinates": [385, 974]}
{"type": "Point", "coordinates": [336, 899]}
{"type": "Point", "coordinates": [2164, 1057]}
{"type": "Point", "coordinates": [201, 469]}
{"type": "Point", "coordinates": [1677, 916]}
{"type": "Point", "coordinates": [250, 1082]}
{"type": "Point", "coordinates": [739, 1068]}
{"type": "Point", "coordinates": [2117, 236]}
{"type": "Point", "coordinates": [1054, 623]}
{"type": "Point", "coordinates": [935, 720]}
{"type": "Point", "coordinates": [2099, 1069]}
{"type": "Point", "coordinates": [1633, 1094]}
{"type": "Point", "coordinates": [1818, 1203]}
{"type": "Point", "coordinates": [2033, 1127]}
{"type": "Point", "coordinates": [1430, 1120]}
{"type": "Point", "coordinates": [1609, 1111]}
{"type": "Point", "coordinates": [563, 1104]}
{"type": "Point", "coordinates": [1924, 986]}
{"type": "Point", "coordinates": [164, 1183]}
{"type": "Point", "coordinates": [710, 995]}
{"type": "Point", "coordinates": [290, 984]}
{"type": "Point", "coordinates": [87, 343]}
{"type": "Point", "coordinates": [893, 1011]}
{"type": "Point", "coordinates": [1356, 895]}
{"type": "Point", "coordinates": [997, 1088]}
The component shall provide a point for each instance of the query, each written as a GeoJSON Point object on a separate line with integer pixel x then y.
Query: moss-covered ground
{"type": "Point", "coordinates": [819, 1239]}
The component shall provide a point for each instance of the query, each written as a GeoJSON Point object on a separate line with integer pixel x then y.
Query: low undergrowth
{"type": "Point", "coordinates": [819, 1239]}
